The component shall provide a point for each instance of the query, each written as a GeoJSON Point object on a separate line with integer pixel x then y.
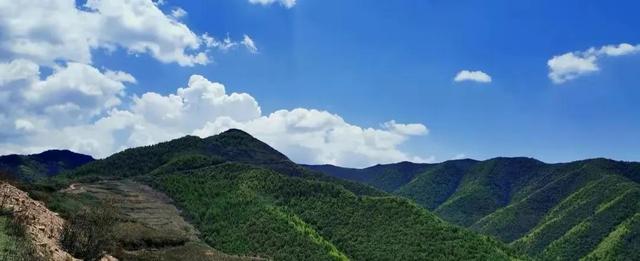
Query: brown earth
{"type": "Point", "coordinates": [152, 228]}
{"type": "Point", "coordinates": [43, 226]}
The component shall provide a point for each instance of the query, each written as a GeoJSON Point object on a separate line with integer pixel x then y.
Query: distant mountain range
{"type": "Point", "coordinates": [45, 164]}
{"type": "Point", "coordinates": [583, 209]}
{"type": "Point", "coordinates": [248, 200]}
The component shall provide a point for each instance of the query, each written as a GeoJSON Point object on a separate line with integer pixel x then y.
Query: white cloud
{"type": "Point", "coordinates": [621, 49]}
{"type": "Point", "coordinates": [19, 69]}
{"type": "Point", "coordinates": [227, 44]}
{"type": "Point", "coordinates": [201, 108]}
{"type": "Point", "coordinates": [74, 105]}
{"type": "Point", "coordinates": [224, 45]}
{"type": "Point", "coordinates": [312, 136]}
{"type": "Point", "coordinates": [459, 156]}
{"type": "Point", "coordinates": [285, 3]}
{"type": "Point", "coordinates": [406, 129]}
{"type": "Point", "coordinates": [73, 93]}
{"type": "Point", "coordinates": [475, 76]}
{"type": "Point", "coordinates": [24, 125]}
{"type": "Point", "coordinates": [120, 76]}
{"type": "Point", "coordinates": [569, 66]}
{"type": "Point", "coordinates": [54, 30]}
{"type": "Point", "coordinates": [178, 13]}
{"type": "Point", "coordinates": [249, 44]}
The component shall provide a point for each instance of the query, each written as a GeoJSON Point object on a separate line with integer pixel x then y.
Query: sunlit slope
{"type": "Point", "coordinates": [554, 211]}
{"type": "Point", "coordinates": [230, 146]}
{"type": "Point", "coordinates": [247, 199]}
{"type": "Point", "coordinates": [246, 210]}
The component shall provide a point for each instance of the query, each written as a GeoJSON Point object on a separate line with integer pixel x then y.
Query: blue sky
{"type": "Point", "coordinates": [374, 61]}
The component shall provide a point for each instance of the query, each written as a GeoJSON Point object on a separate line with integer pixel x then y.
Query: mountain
{"type": "Point", "coordinates": [45, 164]}
{"type": "Point", "coordinates": [562, 211]}
{"type": "Point", "coordinates": [247, 199]}
{"type": "Point", "coordinates": [385, 177]}
{"type": "Point", "coordinates": [190, 151]}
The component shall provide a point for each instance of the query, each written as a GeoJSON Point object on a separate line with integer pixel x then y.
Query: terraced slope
{"type": "Point", "coordinates": [150, 226]}
{"type": "Point", "coordinates": [552, 211]}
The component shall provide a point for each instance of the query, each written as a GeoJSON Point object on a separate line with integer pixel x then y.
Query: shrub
{"type": "Point", "coordinates": [89, 233]}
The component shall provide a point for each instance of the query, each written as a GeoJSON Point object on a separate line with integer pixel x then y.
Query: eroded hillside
{"type": "Point", "coordinates": [42, 226]}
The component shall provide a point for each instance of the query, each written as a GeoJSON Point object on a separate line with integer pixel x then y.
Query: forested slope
{"type": "Point", "coordinates": [552, 211]}
{"type": "Point", "coordinates": [247, 199]}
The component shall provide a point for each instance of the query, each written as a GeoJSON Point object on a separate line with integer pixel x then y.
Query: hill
{"type": "Point", "coordinates": [190, 151]}
{"type": "Point", "coordinates": [247, 199]}
{"type": "Point", "coordinates": [552, 211]}
{"type": "Point", "coordinates": [41, 165]}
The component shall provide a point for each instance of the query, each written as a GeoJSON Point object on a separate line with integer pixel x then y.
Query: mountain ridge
{"type": "Point", "coordinates": [248, 199]}
{"type": "Point", "coordinates": [40, 165]}
{"type": "Point", "coordinates": [514, 199]}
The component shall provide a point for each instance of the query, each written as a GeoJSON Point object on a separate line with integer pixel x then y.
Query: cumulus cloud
{"type": "Point", "coordinates": [569, 66]}
{"type": "Point", "coordinates": [54, 30]}
{"type": "Point", "coordinates": [312, 136]}
{"type": "Point", "coordinates": [200, 108]}
{"type": "Point", "coordinates": [51, 96]}
{"type": "Point", "coordinates": [474, 76]}
{"type": "Point", "coordinates": [406, 129]}
{"type": "Point", "coordinates": [73, 93]}
{"type": "Point", "coordinates": [19, 69]}
{"type": "Point", "coordinates": [285, 3]}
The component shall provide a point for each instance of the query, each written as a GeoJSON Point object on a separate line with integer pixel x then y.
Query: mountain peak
{"type": "Point", "coordinates": [235, 132]}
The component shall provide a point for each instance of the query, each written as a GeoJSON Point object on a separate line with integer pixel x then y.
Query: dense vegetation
{"type": "Point", "coordinates": [246, 210]}
{"type": "Point", "coordinates": [551, 211]}
{"type": "Point", "coordinates": [621, 244]}
{"type": "Point", "coordinates": [233, 145]}
{"type": "Point", "coordinates": [249, 200]}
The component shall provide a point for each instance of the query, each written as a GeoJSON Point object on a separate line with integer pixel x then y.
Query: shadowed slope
{"type": "Point", "coordinates": [41, 165]}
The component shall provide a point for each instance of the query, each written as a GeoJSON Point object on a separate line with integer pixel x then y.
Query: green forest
{"type": "Point", "coordinates": [562, 211]}
{"type": "Point", "coordinates": [247, 201]}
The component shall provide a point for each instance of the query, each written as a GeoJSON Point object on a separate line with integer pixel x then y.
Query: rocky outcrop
{"type": "Point", "coordinates": [43, 226]}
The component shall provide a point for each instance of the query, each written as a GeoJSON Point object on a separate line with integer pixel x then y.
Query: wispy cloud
{"type": "Point", "coordinates": [285, 3]}
{"type": "Point", "coordinates": [227, 43]}
{"type": "Point", "coordinates": [249, 44]}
